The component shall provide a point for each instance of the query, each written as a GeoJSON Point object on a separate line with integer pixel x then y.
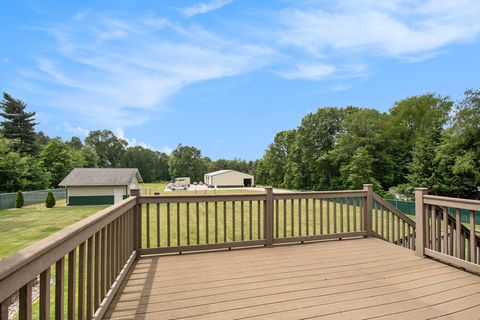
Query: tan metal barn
{"type": "Point", "coordinates": [228, 179]}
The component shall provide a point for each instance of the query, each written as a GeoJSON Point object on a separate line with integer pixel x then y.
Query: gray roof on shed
{"type": "Point", "coordinates": [101, 177]}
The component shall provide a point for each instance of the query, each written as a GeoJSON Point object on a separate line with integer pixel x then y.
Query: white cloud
{"type": "Point", "coordinates": [132, 142]}
{"type": "Point", "coordinates": [166, 149]}
{"type": "Point", "coordinates": [77, 131]}
{"type": "Point", "coordinates": [390, 28]}
{"type": "Point", "coordinates": [117, 73]}
{"type": "Point", "coordinates": [309, 72]}
{"type": "Point", "coordinates": [204, 7]}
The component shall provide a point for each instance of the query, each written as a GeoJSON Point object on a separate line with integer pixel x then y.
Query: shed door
{"type": "Point", "coordinates": [118, 195]}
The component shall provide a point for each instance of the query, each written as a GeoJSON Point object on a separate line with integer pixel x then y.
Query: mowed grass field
{"type": "Point", "coordinates": [21, 227]}
{"type": "Point", "coordinates": [201, 223]}
{"type": "Point", "coordinates": [152, 188]}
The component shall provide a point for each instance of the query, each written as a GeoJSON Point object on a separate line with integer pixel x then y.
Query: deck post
{"type": "Point", "coordinates": [421, 222]}
{"type": "Point", "coordinates": [368, 209]}
{"type": "Point", "coordinates": [269, 217]}
{"type": "Point", "coordinates": [137, 234]}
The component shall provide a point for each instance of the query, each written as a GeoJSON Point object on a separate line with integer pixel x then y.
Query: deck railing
{"type": "Point", "coordinates": [443, 236]}
{"type": "Point", "coordinates": [391, 224]}
{"type": "Point", "coordinates": [86, 264]}
{"type": "Point", "coordinates": [204, 222]}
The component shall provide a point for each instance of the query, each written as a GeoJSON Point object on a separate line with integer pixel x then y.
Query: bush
{"type": "Point", "coordinates": [19, 202]}
{"type": "Point", "coordinates": [50, 201]}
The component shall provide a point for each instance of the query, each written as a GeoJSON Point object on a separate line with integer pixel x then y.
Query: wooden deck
{"type": "Point", "coordinates": [348, 279]}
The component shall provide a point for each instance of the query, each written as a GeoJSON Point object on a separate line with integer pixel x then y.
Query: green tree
{"type": "Point", "coordinates": [109, 148]}
{"type": "Point", "coordinates": [57, 160]}
{"type": "Point", "coordinates": [18, 125]}
{"type": "Point", "coordinates": [10, 170]}
{"type": "Point", "coordinates": [19, 200]}
{"type": "Point", "coordinates": [75, 143]}
{"type": "Point", "coordinates": [186, 161]}
{"type": "Point", "coordinates": [271, 169]}
{"type": "Point", "coordinates": [50, 200]}
{"type": "Point", "coordinates": [90, 157]}
{"type": "Point", "coordinates": [153, 166]}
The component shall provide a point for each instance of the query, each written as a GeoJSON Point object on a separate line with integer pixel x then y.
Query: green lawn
{"type": "Point", "coordinates": [251, 223]}
{"type": "Point", "coordinates": [22, 227]}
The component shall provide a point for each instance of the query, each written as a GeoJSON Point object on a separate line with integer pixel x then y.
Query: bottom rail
{"type": "Point", "coordinates": [459, 263]}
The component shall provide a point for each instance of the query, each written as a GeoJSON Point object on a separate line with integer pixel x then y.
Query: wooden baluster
{"type": "Point", "coordinates": [25, 302]}
{"type": "Point", "coordinates": [434, 228]}
{"type": "Point", "coordinates": [89, 310]}
{"type": "Point", "coordinates": [197, 220]}
{"type": "Point", "coordinates": [354, 202]}
{"type": "Point", "coordinates": [473, 240]}
{"type": "Point", "coordinates": [300, 217]}
{"type": "Point", "coordinates": [314, 216]}
{"type": "Point", "coordinates": [382, 222]}
{"type": "Point", "coordinates": [158, 225]}
{"type": "Point", "coordinates": [259, 220]}
{"type": "Point", "coordinates": [44, 295]}
{"type": "Point", "coordinates": [445, 231]}
{"type": "Point", "coordinates": [250, 216]}
{"type": "Point", "coordinates": [462, 246]}
{"type": "Point", "coordinates": [168, 224]}
{"type": "Point", "coordinates": [292, 216]}
{"type": "Point", "coordinates": [188, 223]}
{"type": "Point", "coordinates": [103, 263]}
{"type": "Point", "coordinates": [97, 279]}
{"type": "Point", "coordinates": [148, 225]}
{"type": "Point", "coordinates": [59, 284]}
{"type": "Point", "coordinates": [206, 223]}
{"type": "Point", "coordinates": [328, 216]}
{"type": "Point", "coordinates": [233, 221]}
{"type": "Point", "coordinates": [216, 221]}
{"type": "Point", "coordinates": [387, 223]}
{"type": "Point", "coordinates": [321, 216]}
{"type": "Point", "coordinates": [178, 224]}
{"type": "Point", "coordinates": [242, 221]}
{"type": "Point", "coordinates": [81, 281]}
{"type": "Point", "coordinates": [307, 218]}
{"type": "Point", "coordinates": [360, 207]}
{"type": "Point", "coordinates": [348, 214]}
{"type": "Point", "coordinates": [225, 222]}
{"type": "Point", "coordinates": [451, 238]}
{"type": "Point", "coordinates": [393, 227]}
{"type": "Point", "coordinates": [72, 283]}
{"type": "Point", "coordinates": [335, 215]}
{"type": "Point", "coordinates": [376, 217]}
{"type": "Point", "coordinates": [277, 214]}
{"type": "Point", "coordinates": [439, 232]}
{"type": "Point", "coordinates": [404, 236]}
{"type": "Point", "coordinates": [458, 233]}
{"type": "Point", "coordinates": [109, 256]}
{"type": "Point", "coordinates": [4, 309]}
{"type": "Point", "coordinates": [341, 214]}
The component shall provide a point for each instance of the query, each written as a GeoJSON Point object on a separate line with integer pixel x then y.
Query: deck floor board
{"type": "Point", "coordinates": [348, 279]}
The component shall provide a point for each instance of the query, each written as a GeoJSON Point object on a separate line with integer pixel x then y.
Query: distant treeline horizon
{"type": "Point", "coordinates": [426, 140]}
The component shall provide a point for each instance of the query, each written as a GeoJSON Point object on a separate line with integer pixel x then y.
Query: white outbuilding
{"type": "Point", "coordinates": [97, 186]}
{"type": "Point", "coordinates": [228, 179]}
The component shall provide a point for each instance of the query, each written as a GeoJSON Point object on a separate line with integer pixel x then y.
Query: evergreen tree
{"type": "Point", "coordinates": [19, 200]}
{"type": "Point", "coordinates": [18, 125]}
{"type": "Point", "coordinates": [50, 200]}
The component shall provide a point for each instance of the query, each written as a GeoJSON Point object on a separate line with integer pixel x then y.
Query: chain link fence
{"type": "Point", "coordinates": [7, 200]}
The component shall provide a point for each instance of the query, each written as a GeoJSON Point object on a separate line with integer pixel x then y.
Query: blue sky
{"type": "Point", "coordinates": [226, 75]}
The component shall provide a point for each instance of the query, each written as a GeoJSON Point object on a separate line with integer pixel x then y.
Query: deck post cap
{"type": "Point", "coordinates": [421, 189]}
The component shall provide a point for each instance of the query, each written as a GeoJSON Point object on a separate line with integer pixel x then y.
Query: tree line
{"type": "Point", "coordinates": [427, 140]}
{"type": "Point", "coordinates": [422, 141]}
{"type": "Point", "coordinates": [31, 160]}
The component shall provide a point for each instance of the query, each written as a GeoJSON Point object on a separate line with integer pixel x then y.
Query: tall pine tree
{"type": "Point", "coordinates": [18, 125]}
